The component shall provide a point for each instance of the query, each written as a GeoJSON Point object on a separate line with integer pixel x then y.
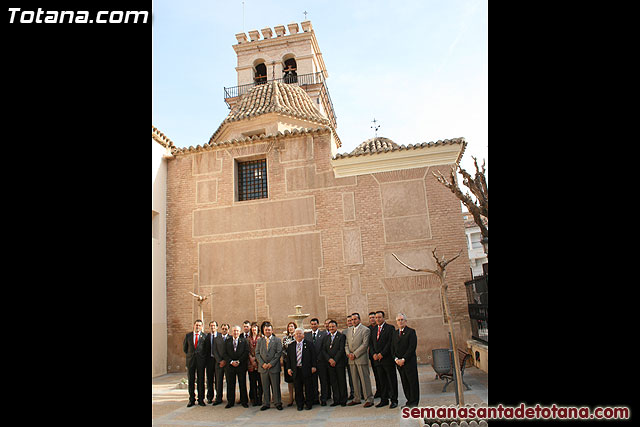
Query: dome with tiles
{"type": "Point", "coordinates": [375, 145]}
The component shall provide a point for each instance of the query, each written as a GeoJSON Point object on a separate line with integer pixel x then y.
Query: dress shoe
{"type": "Point", "coordinates": [343, 404]}
{"type": "Point", "coordinates": [308, 408]}
{"type": "Point", "coordinates": [264, 408]}
{"type": "Point", "coordinates": [393, 405]}
{"type": "Point", "coordinates": [209, 401]}
{"type": "Point", "coordinates": [334, 404]}
{"type": "Point", "coordinates": [323, 403]}
{"type": "Point", "coordinates": [381, 404]}
{"type": "Point", "coordinates": [300, 408]}
{"type": "Point", "coordinates": [290, 404]}
{"type": "Point", "coordinates": [190, 404]}
{"type": "Point", "coordinates": [279, 407]}
{"type": "Point", "coordinates": [246, 405]}
{"type": "Point", "coordinates": [201, 403]}
{"type": "Point", "coordinates": [229, 405]}
{"type": "Point", "coordinates": [216, 402]}
{"type": "Point", "coordinates": [353, 403]}
{"type": "Point", "coordinates": [368, 405]}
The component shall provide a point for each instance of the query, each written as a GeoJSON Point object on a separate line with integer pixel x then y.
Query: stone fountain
{"type": "Point", "coordinates": [299, 317]}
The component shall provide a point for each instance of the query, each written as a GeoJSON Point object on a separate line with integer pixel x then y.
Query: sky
{"type": "Point", "coordinates": [419, 67]}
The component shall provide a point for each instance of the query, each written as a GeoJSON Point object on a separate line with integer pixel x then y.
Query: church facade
{"type": "Point", "coordinates": [268, 214]}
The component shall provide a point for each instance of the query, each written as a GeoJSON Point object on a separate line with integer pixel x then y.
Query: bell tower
{"type": "Point", "coordinates": [292, 58]}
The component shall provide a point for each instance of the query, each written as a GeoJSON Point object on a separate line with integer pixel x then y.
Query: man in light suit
{"type": "Point", "coordinates": [268, 352]}
{"type": "Point", "coordinates": [356, 348]}
{"type": "Point", "coordinates": [195, 348]}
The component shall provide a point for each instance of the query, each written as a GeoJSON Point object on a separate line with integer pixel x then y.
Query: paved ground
{"type": "Point", "coordinates": [169, 406]}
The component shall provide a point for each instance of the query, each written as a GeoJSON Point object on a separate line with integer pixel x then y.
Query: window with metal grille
{"type": "Point", "coordinates": [252, 179]}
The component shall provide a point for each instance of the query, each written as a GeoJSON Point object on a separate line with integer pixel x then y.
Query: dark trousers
{"type": "Point", "coordinates": [375, 376]}
{"type": "Point", "coordinates": [241, 374]}
{"type": "Point", "coordinates": [210, 370]}
{"type": "Point", "coordinates": [410, 385]}
{"type": "Point", "coordinates": [196, 370]}
{"type": "Point", "coordinates": [255, 388]}
{"type": "Point", "coordinates": [322, 374]}
{"type": "Point", "coordinates": [338, 380]}
{"type": "Point", "coordinates": [220, 374]}
{"type": "Point", "coordinates": [300, 383]}
{"type": "Point", "coordinates": [389, 382]}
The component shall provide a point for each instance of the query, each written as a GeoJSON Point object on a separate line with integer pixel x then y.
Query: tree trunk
{"type": "Point", "coordinates": [456, 358]}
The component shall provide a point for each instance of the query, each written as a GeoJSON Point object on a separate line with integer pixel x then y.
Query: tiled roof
{"type": "Point", "coordinates": [274, 97]}
{"type": "Point", "coordinates": [161, 138]}
{"type": "Point", "coordinates": [254, 138]}
{"type": "Point", "coordinates": [384, 145]}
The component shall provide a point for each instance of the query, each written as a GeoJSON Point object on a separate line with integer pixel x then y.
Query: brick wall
{"type": "Point", "coordinates": [341, 247]}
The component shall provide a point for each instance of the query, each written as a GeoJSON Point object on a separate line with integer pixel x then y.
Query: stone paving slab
{"type": "Point", "coordinates": [169, 406]}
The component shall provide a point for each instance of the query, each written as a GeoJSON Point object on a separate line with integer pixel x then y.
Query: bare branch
{"type": "Point", "coordinates": [413, 268]}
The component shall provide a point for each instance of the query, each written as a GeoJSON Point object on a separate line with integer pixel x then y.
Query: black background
{"type": "Point", "coordinates": [77, 99]}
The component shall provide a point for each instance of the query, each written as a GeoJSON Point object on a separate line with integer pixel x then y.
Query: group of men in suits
{"type": "Point", "coordinates": [317, 361]}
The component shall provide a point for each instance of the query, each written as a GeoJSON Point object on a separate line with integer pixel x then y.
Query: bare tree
{"type": "Point", "coordinates": [479, 188]}
{"type": "Point", "coordinates": [441, 273]}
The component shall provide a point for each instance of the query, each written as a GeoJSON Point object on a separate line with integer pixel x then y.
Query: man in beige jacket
{"type": "Point", "coordinates": [356, 347]}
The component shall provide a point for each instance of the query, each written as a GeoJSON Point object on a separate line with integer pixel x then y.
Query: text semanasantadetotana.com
{"type": "Point", "coordinates": [519, 412]}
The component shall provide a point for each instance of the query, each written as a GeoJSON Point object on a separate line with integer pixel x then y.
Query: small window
{"type": "Point", "coordinates": [252, 180]}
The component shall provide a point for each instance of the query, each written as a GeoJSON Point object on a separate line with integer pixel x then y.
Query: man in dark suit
{"type": "Point", "coordinates": [236, 354]}
{"type": "Point", "coordinates": [403, 348]}
{"type": "Point", "coordinates": [210, 367]}
{"type": "Point", "coordinates": [380, 351]}
{"type": "Point", "coordinates": [373, 327]}
{"type": "Point", "coordinates": [221, 363]}
{"type": "Point", "coordinates": [302, 362]}
{"type": "Point", "coordinates": [195, 347]}
{"type": "Point", "coordinates": [333, 349]}
{"type": "Point", "coordinates": [316, 336]}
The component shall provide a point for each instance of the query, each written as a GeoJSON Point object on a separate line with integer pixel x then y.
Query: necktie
{"type": "Point", "coordinates": [299, 354]}
{"type": "Point", "coordinates": [400, 332]}
{"type": "Point", "coordinates": [332, 337]}
{"type": "Point", "coordinates": [235, 344]}
{"type": "Point", "coordinates": [212, 338]}
{"type": "Point", "coordinates": [379, 329]}
{"type": "Point", "coordinates": [197, 340]}
{"type": "Point", "coordinates": [267, 344]}
{"type": "Point", "coordinates": [314, 337]}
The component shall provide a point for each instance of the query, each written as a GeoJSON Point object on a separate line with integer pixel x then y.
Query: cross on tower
{"type": "Point", "coordinates": [305, 15]}
{"type": "Point", "coordinates": [375, 127]}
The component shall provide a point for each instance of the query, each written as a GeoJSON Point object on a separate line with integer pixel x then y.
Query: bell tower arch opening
{"type": "Point", "coordinates": [260, 71]}
{"type": "Point", "coordinates": [289, 71]}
